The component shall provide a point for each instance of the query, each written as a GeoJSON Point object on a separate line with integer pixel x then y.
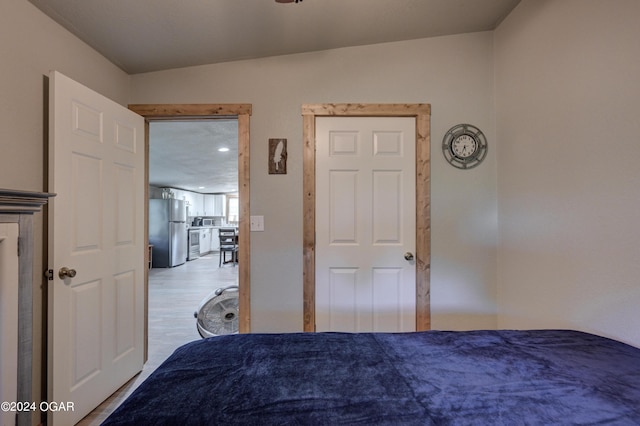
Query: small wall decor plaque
{"type": "Point", "coordinates": [277, 156]}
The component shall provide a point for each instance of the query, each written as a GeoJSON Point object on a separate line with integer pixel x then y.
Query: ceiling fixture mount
{"type": "Point", "coordinates": [288, 1]}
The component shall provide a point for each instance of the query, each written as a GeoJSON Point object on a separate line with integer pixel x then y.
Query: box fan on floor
{"type": "Point", "coordinates": [218, 313]}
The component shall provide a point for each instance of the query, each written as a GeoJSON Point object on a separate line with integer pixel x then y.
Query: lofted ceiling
{"type": "Point", "coordinates": [152, 35]}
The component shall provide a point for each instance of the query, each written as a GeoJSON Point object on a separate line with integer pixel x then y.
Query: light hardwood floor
{"type": "Point", "coordinates": [174, 296]}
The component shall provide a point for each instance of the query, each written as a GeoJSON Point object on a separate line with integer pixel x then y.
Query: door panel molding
{"type": "Point", "coordinates": [422, 114]}
{"type": "Point", "coordinates": [94, 149]}
{"type": "Point", "coordinates": [154, 112]}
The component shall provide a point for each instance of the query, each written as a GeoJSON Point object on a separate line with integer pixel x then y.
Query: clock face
{"type": "Point", "coordinates": [464, 146]}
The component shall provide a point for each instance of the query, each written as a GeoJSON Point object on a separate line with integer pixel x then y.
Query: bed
{"type": "Point", "coordinates": [504, 377]}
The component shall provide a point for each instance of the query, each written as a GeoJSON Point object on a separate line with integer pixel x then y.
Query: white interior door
{"type": "Point", "coordinates": [365, 223]}
{"type": "Point", "coordinates": [96, 228]}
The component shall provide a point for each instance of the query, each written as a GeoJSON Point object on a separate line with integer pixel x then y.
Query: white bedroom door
{"type": "Point", "coordinates": [96, 247]}
{"type": "Point", "coordinates": [365, 224]}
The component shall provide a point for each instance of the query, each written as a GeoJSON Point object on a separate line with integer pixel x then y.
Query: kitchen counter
{"type": "Point", "coordinates": [208, 240]}
{"type": "Point", "coordinates": [211, 227]}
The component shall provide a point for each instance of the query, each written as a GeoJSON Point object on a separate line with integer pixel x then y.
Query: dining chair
{"type": "Point", "coordinates": [228, 244]}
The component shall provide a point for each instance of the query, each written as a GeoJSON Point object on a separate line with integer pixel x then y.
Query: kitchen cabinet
{"type": "Point", "coordinates": [189, 201]}
{"type": "Point", "coordinates": [200, 204]}
{"type": "Point", "coordinates": [209, 205]}
{"type": "Point", "coordinates": [210, 236]}
{"type": "Point", "coordinates": [195, 201]}
{"type": "Point", "coordinates": [215, 240]}
{"type": "Point", "coordinates": [207, 240]}
{"type": "Point", "coordinates": [214, 205]}
{"type": "Point", "coordinates": [219, 205]}
{"type": "Point", "coordinates": [178, 194]}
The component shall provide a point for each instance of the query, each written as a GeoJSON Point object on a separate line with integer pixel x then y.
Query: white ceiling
{"type": "Point", "coordinates": [151, 35]}
{"type": "Point", "coordinates": [184, 154]}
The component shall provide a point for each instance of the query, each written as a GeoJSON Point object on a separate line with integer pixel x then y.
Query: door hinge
{"type": "Point", "coordinates": [48, 274]}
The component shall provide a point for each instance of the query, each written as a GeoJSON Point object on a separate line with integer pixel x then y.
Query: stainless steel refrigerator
{"type": "Point", "coordinates": [168, 232]}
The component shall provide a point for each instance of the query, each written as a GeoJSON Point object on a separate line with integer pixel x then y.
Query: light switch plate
{"type": "Point", "coordinates": [257, 223]}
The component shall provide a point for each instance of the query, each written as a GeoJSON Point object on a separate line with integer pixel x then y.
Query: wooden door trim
{"type": "Point", "coordinates": [422, 114]}
{"type": "Point", "coordinates": [155, 112]}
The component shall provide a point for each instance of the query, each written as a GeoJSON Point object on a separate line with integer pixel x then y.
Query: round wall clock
{"type": "Point", "coordinates": [464, 146]}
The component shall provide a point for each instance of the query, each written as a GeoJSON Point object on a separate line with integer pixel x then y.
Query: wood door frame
{"type": "Point", "coordinates": [422, 114]}
{"type": "Point", "coordinates": [157, 112]}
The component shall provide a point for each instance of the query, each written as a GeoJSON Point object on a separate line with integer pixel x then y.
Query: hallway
{"type": "Point", "coordinates": [174, 296]}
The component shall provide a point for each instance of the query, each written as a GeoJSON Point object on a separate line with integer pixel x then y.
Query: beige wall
{"type": "Point", "coordinates": [30, 46]}
{"type": "Point", "coordinates": [567, 97]}
{"type": "Point", "coordinates": [453, 74]}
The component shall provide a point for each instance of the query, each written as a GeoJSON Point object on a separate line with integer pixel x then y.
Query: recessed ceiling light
{"type": "Point", "coordinates": [201, 187]}
{"type": "Point", "coordinates": [223, 149]}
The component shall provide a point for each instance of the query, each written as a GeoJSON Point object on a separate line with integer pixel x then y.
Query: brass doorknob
{"type": "Point", "coordinates": [65, 272]}
{"type": "Point", "coordinates": [408, 256]}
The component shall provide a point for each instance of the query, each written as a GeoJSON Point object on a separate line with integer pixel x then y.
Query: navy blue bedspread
{"type": "Point", "coordinates": [542, 377]}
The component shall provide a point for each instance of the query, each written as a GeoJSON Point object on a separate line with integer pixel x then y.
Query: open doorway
{"type": "Point", "coordinates": [242, 112]}
{"type": "Point", "coordinates": [193, 167]}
